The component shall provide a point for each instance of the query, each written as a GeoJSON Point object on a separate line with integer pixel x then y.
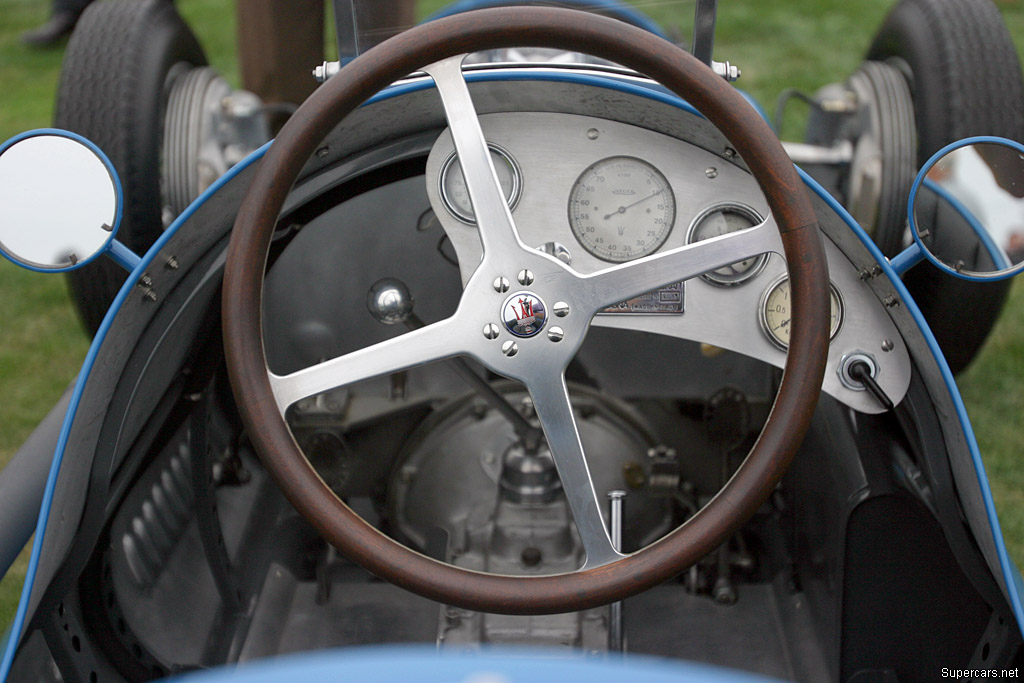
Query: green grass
{"type": "Point", "coordinates": [797, 43]}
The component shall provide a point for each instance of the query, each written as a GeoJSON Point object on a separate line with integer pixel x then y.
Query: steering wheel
{"type": "Point", "coordinates": [566, 299]}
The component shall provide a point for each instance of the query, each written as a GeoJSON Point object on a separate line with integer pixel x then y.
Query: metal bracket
{"type": "Point", "coordinates": [346, 30]}
{"type": "Point", "coordinates": [704, 14]}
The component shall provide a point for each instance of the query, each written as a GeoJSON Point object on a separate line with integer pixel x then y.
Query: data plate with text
{"type": "Point", "coordinates": [667, 300]}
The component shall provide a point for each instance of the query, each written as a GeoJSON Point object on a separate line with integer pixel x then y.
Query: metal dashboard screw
{"type": "Point", "coordinates": [510, 348]}
{"type": "Point", "coordinates": [491, 331]}
{"type": "Point", "coordinates": [501, 284]}
{"type": "Point", "coordinates": [525, 277]}
{"type": "Point", "coordinates": [561, 309]}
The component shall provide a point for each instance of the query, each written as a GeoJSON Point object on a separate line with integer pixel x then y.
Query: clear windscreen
{"type": "Point", "coordinates": [361, 24]}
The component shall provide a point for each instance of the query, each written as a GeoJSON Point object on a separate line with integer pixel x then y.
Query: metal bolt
{"type": "Point", "coordinates": [726, 70]}
{"type": "Point", "coordinates": [593, 134]}
{"type": "Point", "coordinates": [891, 301]}
{"type": "Point", "coordinates": [730, 153]}
{"type": "Point", "coordinates": [557, 250]}
{"type": "Point", "coordinates": [172, 263]}
{"type": "Point", "coordinates": [322, 152]}
{"type": "Point", "coordinates": [887, 345]}
{"type": "Point", "coordinates": [561, 309]}
{"type": "Point", "coordinates": [531, 556]}
{"type": "Point", "coordinates": [326, 70]}
{"type": "Point", "coordinates": [711, 172]}
{"type": "Point", "coordinates": [491, 331]}
{"type": "Point", "coordinates": [525, 277]}
{"type": "Point", "coordinates": [556, 334]}
{"type": "Point", "coordinates": [510, 348]}
{"type": "Point", "coordinates": [501, 284]}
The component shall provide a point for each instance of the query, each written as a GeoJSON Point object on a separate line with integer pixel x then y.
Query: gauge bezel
{"type": "Point", "coordinates": [763, 318]}
{"type": "Point", "coordinates": [746, 211]}
{"type": "Point", "coordinates": [512, 200]}
{"type": "Point", "coordinates": [648, 166]}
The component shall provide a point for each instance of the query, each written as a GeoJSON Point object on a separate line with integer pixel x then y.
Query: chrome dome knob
{"type": "Point", "coordinates": [389, 301]}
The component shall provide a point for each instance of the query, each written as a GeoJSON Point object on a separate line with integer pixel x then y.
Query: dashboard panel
{"type": "Point", "coordinates": [646, 192]}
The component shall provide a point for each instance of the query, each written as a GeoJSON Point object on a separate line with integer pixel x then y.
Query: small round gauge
{"type": "Point", "coordinates": [776, 314]}
{"type": "Point", "coordinates": [722, 219]}
{"type": "Point", "coordinates": [455, 194]}
{"type": "Point", "coordinates": [621, 208]}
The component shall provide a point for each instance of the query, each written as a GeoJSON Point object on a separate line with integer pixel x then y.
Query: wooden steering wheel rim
{"type": "Point", "coordinates": [623, 44]}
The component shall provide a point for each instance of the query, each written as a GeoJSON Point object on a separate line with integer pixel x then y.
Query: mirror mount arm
{"type": "Point", "coordinates": [907, 259]}
{"type": "Point", "coordinates": [123, 256]}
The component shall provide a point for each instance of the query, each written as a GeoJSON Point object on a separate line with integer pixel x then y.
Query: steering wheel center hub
{"type": "Point", "coordinates": [524, 314]}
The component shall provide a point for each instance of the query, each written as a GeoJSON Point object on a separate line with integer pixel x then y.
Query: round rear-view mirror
{"type": "Point", "coordinates": [966, 208]}
{"type": "Point", "coordinates": [60, 200]}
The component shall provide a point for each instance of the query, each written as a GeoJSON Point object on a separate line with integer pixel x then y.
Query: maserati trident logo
{"type": "Point", "coordinates": [524, 314]}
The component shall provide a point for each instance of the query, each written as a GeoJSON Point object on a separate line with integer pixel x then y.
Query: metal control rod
{"type": "Point", "coordinates": [616, 638]}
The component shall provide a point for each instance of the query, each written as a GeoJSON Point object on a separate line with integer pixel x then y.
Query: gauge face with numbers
{"type": "Point", "coordinates": [776, 313]}
{"type": "Point", "coordinates": [723, 219]}
{"type": "Point", "coordinates": [621, 208]}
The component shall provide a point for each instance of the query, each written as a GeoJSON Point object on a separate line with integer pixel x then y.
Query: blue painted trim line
{"type": "Point", "coordinates": [90, 359]}
{"type": "Point", "coordinates": [119, 196]}
{"type": "Point", "coordinates": [613, 82]}
{"type": "Point", "coordinates": [916, 187]}
{"type": "Point", "coordinates": [609, 7]}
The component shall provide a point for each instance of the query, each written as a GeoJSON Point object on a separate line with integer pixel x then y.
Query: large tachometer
{"type": "Point", "coordinates": [621, 208]}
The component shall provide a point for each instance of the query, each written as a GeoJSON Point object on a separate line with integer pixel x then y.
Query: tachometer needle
{"type": "Point", "coordinates": [622, 209]}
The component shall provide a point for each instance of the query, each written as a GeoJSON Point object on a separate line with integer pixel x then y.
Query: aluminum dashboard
{"type": "Point", "coordinates": [552, 151]}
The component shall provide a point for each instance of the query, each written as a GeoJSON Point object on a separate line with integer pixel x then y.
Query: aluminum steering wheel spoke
{"type": "Point", "coordinates": [551, 403]}
{"type": "Point", "coordinates": [498, 233]}
{"type": "Point", "coordinates": [634, 278]}
{"type": "Point", "coordinates": [433, 342]}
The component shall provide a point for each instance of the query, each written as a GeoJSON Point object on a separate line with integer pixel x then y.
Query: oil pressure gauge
{"type": "Point", "coordinates": [455, 194]}
{"type": "Point", "coordinates": [722, 219]}
{"type": "Point", "coordinates": [776, 314]}
{"type": "Point", "coordinates": [621, 208]}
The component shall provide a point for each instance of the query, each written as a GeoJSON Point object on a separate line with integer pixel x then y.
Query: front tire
{"type": "Point", "coordinates": [965, 79]}
{"type": "Point", "coordinates": [117, 74]}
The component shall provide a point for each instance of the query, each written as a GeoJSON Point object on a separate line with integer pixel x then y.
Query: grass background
{"type": "Point", "coordinates": [800, 43]}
